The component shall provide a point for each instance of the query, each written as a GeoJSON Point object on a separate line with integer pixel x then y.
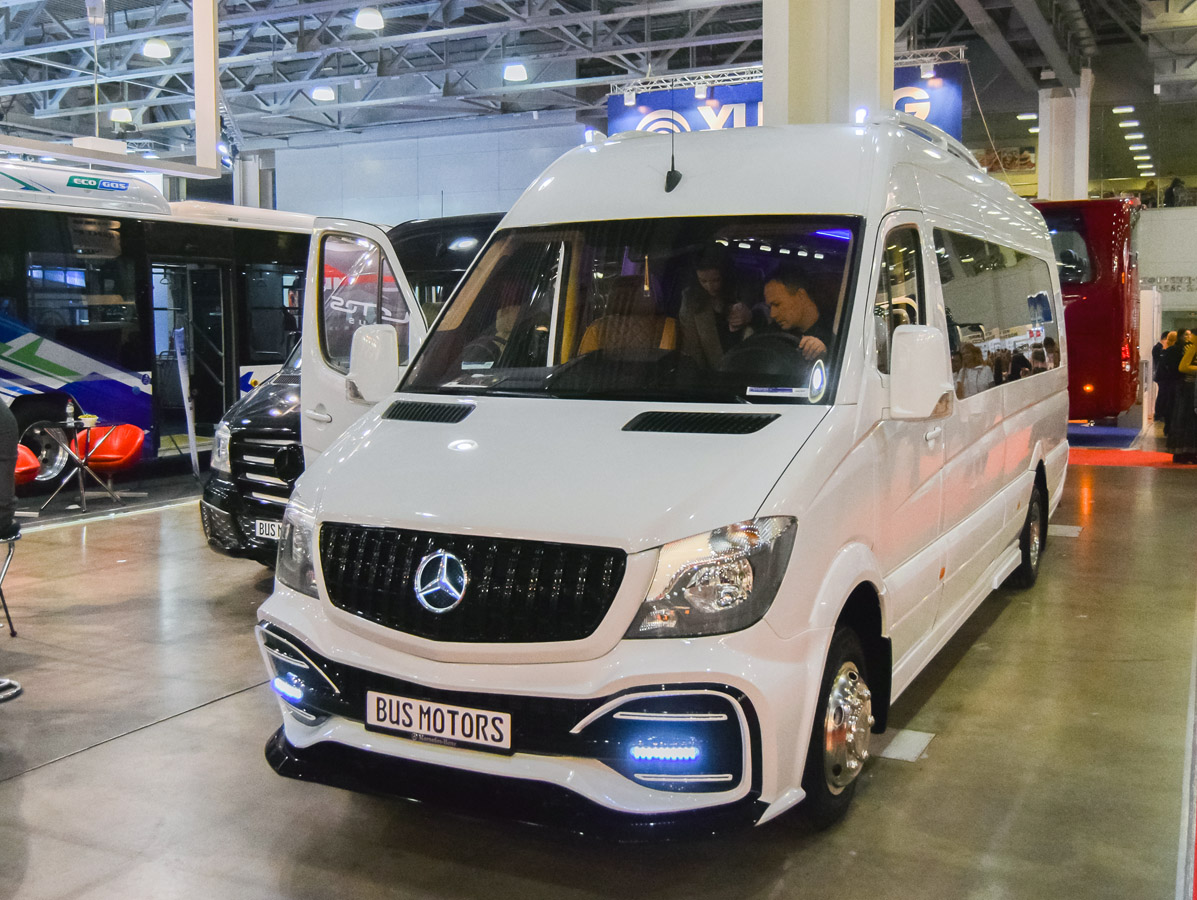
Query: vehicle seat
{"type": "Point", "coordinates": [631, 321]}
{"type": "Point", "coordinates": [27, 465]}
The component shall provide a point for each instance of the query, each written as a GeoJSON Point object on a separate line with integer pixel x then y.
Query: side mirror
{"type": "Point", "coordinates": [919, 376]}
{"type": "Point", "coordinates": [373, 364]}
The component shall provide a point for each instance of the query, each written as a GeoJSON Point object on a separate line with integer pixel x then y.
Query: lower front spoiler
{"type": "Point", "coordinates": [488, 796]}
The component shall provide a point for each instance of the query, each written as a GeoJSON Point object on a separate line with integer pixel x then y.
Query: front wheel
{"type": "Point", "coordinates": [1031, 541]}
{"type": "Point", "coordinates": [839, 743]}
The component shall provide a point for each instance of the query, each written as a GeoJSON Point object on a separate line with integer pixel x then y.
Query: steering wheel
{"type": "Point", "coordinates": [770, 353]}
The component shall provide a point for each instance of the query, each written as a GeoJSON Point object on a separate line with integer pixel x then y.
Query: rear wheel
{"type": "Point", "coordinates": [1031, 541]}
{"type": "Point", "coordinates": [839, 743]}
{"type": "Point", "coordinates": [35, 421]}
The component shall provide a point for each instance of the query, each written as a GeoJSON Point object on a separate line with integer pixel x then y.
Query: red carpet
{"type": "Point", "coordinates": [1090, 456]}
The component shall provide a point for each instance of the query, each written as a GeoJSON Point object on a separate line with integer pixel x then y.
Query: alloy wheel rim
{"type": "Point", "coordinates": [846, 729]}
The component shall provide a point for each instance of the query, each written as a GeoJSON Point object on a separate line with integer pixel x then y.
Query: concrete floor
{"type": "Point", "coordinates": [132, 765]}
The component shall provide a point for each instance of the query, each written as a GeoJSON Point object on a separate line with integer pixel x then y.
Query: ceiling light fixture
{"type": "Point", "coordinates": [1144, 166]}
{"type": "Point", "coordinates": [156, 48]}
{"type": "Point", "coordinates": [515, 72]}
{"type": "Point", "coordinates": [927, 70]}
{"type": "Point", "coordinates": [1150, 174]}
{"type": "Point", "coordinates": [324, 93]}
{"type": "Point", "coordinates": [629, 99]}
{"type": "Point", "coordinates": [1122, 110]}
{"type": "Point", "coordinates": [1034, 130]}
{"type": "Point", "coordinates": [1134, 136]}
{"type": "Point", "coordinates": [1027, 117]}
{"type": "Point", "coordinates": [1137, 147]}
{"type": "Point", "coordinates": [120, 114]}
{"type": "Point", "coordinates": [1129, 123]}
{"type": "Point", "coordinates": [700, 92]}
{"type": "Point", "coordinates": [1139, 158]}
{"type": "Point", "coordinates": [369, 18]}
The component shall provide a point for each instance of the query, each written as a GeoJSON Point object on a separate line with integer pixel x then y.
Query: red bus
{"type": "Point", "coordinates": [1099, 276]}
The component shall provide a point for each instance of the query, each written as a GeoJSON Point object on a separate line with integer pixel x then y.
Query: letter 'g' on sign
{"type": "Point", "coordinates": [921, 105]}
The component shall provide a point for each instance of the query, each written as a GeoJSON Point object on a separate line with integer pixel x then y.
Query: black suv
{"type": "Point", "coordinates": [257, 454]}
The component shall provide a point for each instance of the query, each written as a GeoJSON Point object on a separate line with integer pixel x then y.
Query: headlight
{"type": "Point", "coordinates": [296, 566]}
{"type": "Point", "coordinates": [717, 582]}
{"type": "Point", "coordinates": [220, 450]}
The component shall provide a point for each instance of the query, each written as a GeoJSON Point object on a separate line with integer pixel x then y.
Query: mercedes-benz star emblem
{"type": "Point", "coordinates": [441, 581]}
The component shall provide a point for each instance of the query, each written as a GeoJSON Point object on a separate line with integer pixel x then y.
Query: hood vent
{"type": "Point", "coordinates": [415, 411]}
{"type": "Point", "coordinates": [700, 423]}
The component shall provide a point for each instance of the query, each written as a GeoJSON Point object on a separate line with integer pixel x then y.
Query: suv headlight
{"type": "Point", "coordinates": [220, 450]}
{"type": "Point", "coordinates": [296, 565]}
{"type": "Point", "coordinates": [717, 582]}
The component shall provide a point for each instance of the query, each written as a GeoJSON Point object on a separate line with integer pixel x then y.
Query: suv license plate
{"type": "Point", "coordinates": [438, 723]}
{"type": "Point", "coordinates": [268, 528]}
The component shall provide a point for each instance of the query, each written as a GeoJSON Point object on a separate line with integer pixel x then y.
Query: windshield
{"type": "Point", "coordinates": [726, 309]}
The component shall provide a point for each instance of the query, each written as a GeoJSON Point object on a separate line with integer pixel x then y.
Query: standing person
{"type": "Point", "coordinates": [1174, 193]}
{"type": "Point", "coordinates": [1182, 423]}
{"type": "Point", "coordinates": [9, 529]}
{"type": "Point", "coordinates": [716, 311]}
{"type": "Point", "coordinates": [1165, 380]}
{"type": "Point", "coordinates": [1157, 355]}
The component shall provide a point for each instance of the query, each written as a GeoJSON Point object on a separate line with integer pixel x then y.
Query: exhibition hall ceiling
{"type": "Point", "coordinates": [330, 71]}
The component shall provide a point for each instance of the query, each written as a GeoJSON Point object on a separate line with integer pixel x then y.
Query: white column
{"type": "Point", "coordinates": [247, 185]}
{"type": "Point", "coordinates": [207, 115]}
{"type": "Point", "coordinates": [1063, 159]}
{"type": "Point", "coordinates": [825, 59]}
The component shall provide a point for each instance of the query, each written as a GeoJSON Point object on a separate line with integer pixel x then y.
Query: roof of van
{"type": "Point", "coordinates": [861, 170]}
{"type": "Point", "coordinates": [247, 216]}
{"type": "Point", "coordinates": [64, 187]}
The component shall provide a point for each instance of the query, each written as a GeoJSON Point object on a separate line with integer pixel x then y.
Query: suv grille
{"type": "Point", "coordinates": [518, 591]}
{"type": "Point", "coordinates": [253, 457]}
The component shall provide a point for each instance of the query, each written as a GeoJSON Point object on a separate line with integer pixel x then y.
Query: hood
{"type": "Point", "coordinates": [272, 404]}
{"type": "Point", "coordinates": [553, 470]}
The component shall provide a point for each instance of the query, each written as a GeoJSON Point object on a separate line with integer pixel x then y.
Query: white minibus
{"type": "Point", "coordinates": [713, 448]}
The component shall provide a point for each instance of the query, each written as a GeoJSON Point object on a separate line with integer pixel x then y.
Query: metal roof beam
{"type": "Point", "coordinates": [989, 32]}
{"type": "Point", "coordinates": [1044, 34]}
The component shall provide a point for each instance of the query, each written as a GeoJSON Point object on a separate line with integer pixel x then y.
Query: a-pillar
{"type": "Point", "coordinates": [825, 60]}
{"type": "Point", "coordinates": [1063, 159]}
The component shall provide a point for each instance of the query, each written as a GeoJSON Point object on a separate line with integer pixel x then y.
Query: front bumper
{"type": "Point", "coordinates": [229, 522]}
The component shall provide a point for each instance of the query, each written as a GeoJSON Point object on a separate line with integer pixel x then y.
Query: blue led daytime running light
{"type": "Point", "coordinates": [286, 689]}
{"type": "Point", "coordinates": [670, 754]}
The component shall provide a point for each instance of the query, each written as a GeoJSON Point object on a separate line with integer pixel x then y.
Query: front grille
{"type": "Point", "coordinates": [518, 591]}
{"type": "Point", "coordinates": [253, 457]}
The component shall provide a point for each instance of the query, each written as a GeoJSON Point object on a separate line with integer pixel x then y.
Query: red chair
{"type": "Point", "coordinates": [27, 465]}
{"type": "Point", "coordinates": [109, 449]}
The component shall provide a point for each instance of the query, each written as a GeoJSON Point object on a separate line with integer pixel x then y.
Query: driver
{"type": "Point", "coordinates": [793, 312]}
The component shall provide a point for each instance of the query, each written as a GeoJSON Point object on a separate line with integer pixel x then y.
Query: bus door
{"type": "Point", "coordinates": [192, 296]}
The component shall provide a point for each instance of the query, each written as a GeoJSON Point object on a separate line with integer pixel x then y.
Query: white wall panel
{"type": "Point", "coordinates": [391, 181]}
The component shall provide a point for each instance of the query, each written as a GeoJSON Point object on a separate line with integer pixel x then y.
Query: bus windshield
{"type": "Point", "coordinates": [726, 309]}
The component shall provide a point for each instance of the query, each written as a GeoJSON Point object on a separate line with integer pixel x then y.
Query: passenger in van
{"type": "Point", "coordinates": [793, 312]}
{"type": "Point", "coordinates": [716, 311]}
{"type": "Point", "coordinates": [974, 376]}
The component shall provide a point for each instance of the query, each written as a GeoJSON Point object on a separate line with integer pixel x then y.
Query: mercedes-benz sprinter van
{"type": "Point", "coordinates": [707, 456]}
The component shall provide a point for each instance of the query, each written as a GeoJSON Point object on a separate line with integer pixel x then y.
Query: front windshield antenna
{"type": "Point", "coordinates": [673, 176]}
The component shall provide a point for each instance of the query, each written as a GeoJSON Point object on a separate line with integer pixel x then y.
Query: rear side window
{"type": "Point", "coordinates": [1001, 324]}
{"type": "Point", "coordinates": [357, 287]}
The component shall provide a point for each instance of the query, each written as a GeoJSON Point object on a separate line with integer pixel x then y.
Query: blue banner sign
{"type": "Point", "coordinates": [936, 100]}
{"type": "Point", "coordinates": [725, 106]}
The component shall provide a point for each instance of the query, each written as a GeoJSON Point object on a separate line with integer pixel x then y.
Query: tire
{"type": "Point", "coordinates": [1031, 541]}
{"type": "Point", "coordinates": [32, 422]}
{"type": "Point", "coordinates": [839, 741]}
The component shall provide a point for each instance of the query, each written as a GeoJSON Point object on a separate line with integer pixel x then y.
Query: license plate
{"type": "Point", "coordinates": [268, 528]}
{"type": "Point", "coordinates": [438, 723]}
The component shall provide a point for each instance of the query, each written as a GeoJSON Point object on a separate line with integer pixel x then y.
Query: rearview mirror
{"type": "Point", "coordinates": [919, 376]}
{"type": "Point", "coordinates": [373, 364]}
